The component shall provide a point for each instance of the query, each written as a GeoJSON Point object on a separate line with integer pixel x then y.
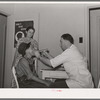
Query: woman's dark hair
{"type": "Point", "coordinates": [23, 47]}
{"type": "Point", "coordinates": [68, 37]}
{"type": "Point", "coordinates": [28, 28]}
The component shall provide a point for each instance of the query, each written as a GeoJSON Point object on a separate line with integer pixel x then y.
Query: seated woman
{"type": "Point", "coordinates": [27, 78]}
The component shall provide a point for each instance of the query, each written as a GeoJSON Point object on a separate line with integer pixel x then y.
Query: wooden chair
{"type": "Point", "coordinates": [15, 77]}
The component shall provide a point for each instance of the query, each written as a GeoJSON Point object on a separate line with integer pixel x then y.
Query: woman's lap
{"type": "Point", "coordinates": [60, 83]}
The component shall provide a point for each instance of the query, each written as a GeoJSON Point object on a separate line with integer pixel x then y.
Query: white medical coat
{"type": "Point", "coordinates": [76, 68]}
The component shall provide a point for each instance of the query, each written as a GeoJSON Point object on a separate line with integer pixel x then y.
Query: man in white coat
{"type": "Point", "coordinates": [74, 64]}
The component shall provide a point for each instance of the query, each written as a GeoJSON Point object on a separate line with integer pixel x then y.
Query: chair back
{"type": "Point", "coordinates": [15, 77]}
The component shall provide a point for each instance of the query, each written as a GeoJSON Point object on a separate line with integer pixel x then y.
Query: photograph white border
{"type": "Point", "coordinates": [50, 93]}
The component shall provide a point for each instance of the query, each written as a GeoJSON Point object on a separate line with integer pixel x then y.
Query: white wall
{"type": "Point", "coordinates": [57, 20]}
{"type": "Point", "coordinates": [7, 8]}
{"type": "Point", "coordinates": [19, 14]}
{"type": "Point", "coordinates": [51, 21]}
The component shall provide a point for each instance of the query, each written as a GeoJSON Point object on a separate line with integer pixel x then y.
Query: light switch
{"type": "Point", "coordinates": [80, 39]}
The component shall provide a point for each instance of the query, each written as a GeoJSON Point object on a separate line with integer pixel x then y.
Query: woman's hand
{"type": "Point", "coordinates": [37, 54]}
{"type": "Point", "coordinates": [47, 83]}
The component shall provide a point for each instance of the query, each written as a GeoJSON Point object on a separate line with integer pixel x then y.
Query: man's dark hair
{"type": "Point", "coordinates": [68, 37]}
{"type": "Point", "coordinates": [23, 47]}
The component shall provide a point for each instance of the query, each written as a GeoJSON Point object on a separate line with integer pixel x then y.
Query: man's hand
{"type": "Point", "coordinates": [45, 54]}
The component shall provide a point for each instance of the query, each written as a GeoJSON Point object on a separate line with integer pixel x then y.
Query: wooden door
{"type": "Point", "coordinates": [3, 23]}
{"type": "Point", "coordinates": [95, 44]}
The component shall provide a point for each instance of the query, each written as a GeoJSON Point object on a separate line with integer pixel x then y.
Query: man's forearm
{"type": "Point", "coordinates": [45, 61]}
{"type": "Point", "coordinates": [49, 56]}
